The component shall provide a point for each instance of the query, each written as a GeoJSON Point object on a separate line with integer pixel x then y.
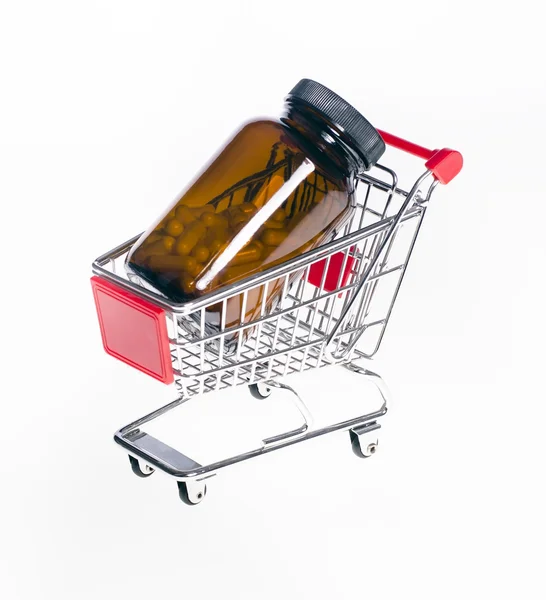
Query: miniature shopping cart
{"type": "Point", "coordinates": [335, 303]}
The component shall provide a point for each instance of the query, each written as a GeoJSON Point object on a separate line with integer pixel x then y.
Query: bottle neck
{"type": "Point", "coordinates": [321, 139]}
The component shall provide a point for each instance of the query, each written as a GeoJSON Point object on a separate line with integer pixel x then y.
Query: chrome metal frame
{"type": "Point", "coordinates": [158, 455]}
{"type": "Point", "coordinates": [307, 327]}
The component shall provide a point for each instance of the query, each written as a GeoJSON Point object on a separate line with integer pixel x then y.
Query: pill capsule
{"type": "Point", "coordinates": [214, 246]}
{"type": "Point", "coordinates": [156, 248]}
{"type": "Point", "coordinates": [171, 262]}
{"type": "Point", "coordinates": [238, 271]}
{"type": "Point", "coordinates": [199, 210]}
{"type": "Point", "coordinates": [174, 227]}
{"type": "Point", "coordinates": [238, 227]}
{"type": "Point", "coordinates": [274, 237]}
{"type": "Point", "coordinates": [221, 234]}
{"type": "Point", "coordinates": [250, 253]}
{"type": "Point", "coordinates": [200, 253]}
{"type": "Point", "coordinates": [279, 215]}
{"type": "Point", "coordinates": [153, 237]}
{"type": "Point", "coordinates": [247, 208]}
{"type": "Point", "coordinates": [234, 209]}
{"type": "Point", "coordinates": [168, 242]}
{"type": "Point", "coordinates": [187, 283]}
{"type": "Point", "coordinates": [207, 218]}
{"type": "Point", "coordinates": [221, 222]}
{"type": "Point", "coordinates": [196, 269]}
{"type": "Point", "coordinates": [214, 220]}
{"type": "Point", "coordinates": [184, 214]}
{"type": "Point", "coordinates": [238, 218]}
{"type": "Point", "coordinates": [190, 238]}
{"type": "Point", "coordinates": [259, 245]}
{"type": "Point", "coordinates": [272, 224]}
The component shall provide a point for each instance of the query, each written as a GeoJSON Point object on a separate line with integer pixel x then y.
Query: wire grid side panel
{"type": "Point", "coordinates": [270, 341]}
{"type": "Point", "coordinates": [377, 197]}
{"type": "Point", "coordinates": [285, 324]}
{"type": "Point", "coordinates": [372, 309]}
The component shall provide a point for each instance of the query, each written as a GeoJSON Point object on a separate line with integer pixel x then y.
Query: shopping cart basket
{"type": "Point", "coordinates": [335, 303]}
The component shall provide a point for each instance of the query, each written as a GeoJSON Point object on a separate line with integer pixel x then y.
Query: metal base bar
{"type": "Point", "coordinates": [154, 454]}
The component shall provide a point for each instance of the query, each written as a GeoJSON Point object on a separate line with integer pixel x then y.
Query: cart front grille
{"type": "Point", "coordinates": [328, 299]}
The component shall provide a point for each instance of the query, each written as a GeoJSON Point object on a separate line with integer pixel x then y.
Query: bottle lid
{"type": "Point", "coordinates": [366, 139]}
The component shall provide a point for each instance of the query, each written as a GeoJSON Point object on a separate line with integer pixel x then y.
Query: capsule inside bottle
{"type": "Point", "coordinates": [190, 238]}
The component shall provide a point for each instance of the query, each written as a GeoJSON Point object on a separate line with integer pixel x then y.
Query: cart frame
{"type": "Point", "coordinates": [331, 299]}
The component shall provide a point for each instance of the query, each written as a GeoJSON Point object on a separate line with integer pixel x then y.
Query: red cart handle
{"type": "Point", "coordinates": [445, 164]}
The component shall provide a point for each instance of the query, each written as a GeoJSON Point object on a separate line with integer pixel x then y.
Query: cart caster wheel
{"type": "Point", "coordinates": [191, 496]}
{"type": "Point", "coordinates": [140, 471]}
{"type": "Point", "coordinates": [363, 448]}
{"type": "Point", "coordinates": [260, 391]}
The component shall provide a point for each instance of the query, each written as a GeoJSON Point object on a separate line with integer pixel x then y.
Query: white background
{"type": "Point", "coordinates": [107, 109]}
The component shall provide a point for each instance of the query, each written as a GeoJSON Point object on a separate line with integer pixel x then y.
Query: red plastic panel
{"type": "Point", "coordinates": [446, 164]}
{"type": "Point", "coordinates": [332, 275]}
{"type": "Point", "coordinates": [133, 330]}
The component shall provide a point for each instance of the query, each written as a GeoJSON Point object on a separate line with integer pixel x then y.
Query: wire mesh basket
{"type": "Point", "coordinates": [333, 306]}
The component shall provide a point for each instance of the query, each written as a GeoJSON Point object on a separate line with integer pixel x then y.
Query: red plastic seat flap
{"type": "Point", "coordinates": [133, 330]}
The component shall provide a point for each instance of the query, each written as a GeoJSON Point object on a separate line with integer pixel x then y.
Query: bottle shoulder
{"type": "Point", "coordinates": [263, 146]}
{"type": "Point", "coordinates": [268, 126]}
{"type": "Point", "coordinates": [270, 132]}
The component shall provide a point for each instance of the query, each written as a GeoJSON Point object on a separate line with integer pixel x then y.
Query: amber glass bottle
{"type": "Point", "coordinates": [279, 188]}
